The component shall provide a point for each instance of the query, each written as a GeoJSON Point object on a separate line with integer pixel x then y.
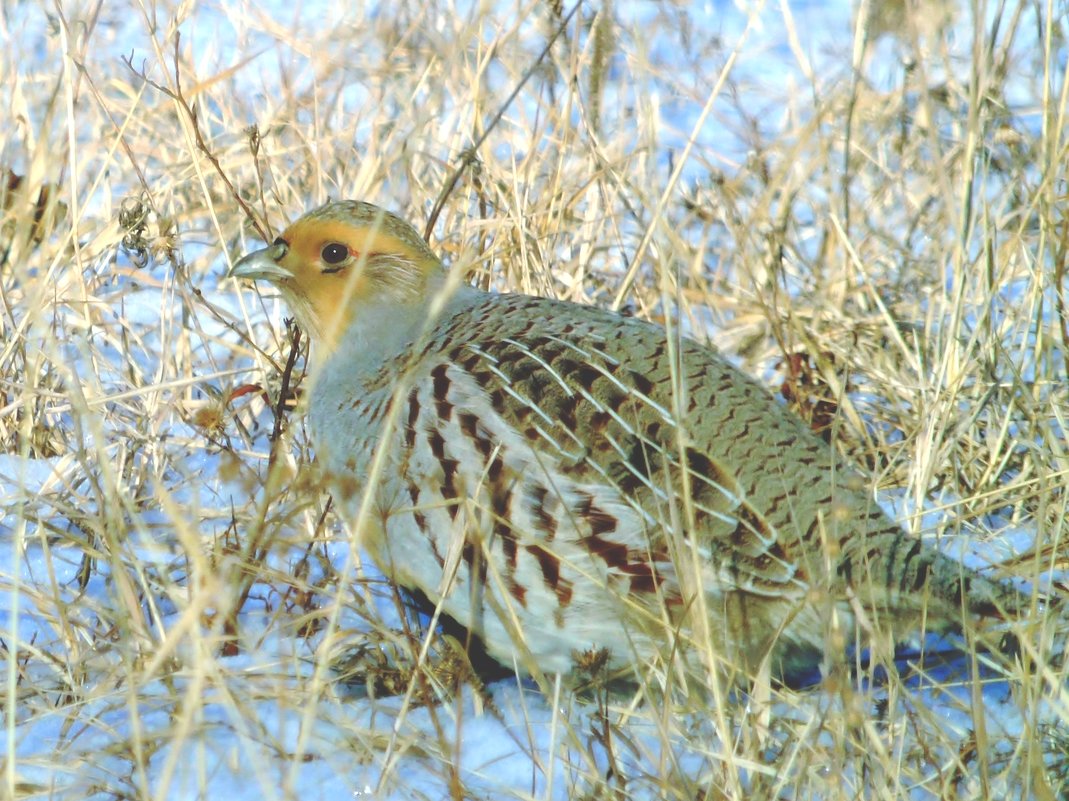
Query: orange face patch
{"type": "Point", "coordinates": [337, 266]}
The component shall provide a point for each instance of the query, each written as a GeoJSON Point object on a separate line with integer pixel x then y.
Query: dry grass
{"type": "Point", "coordinates": [177, 592]}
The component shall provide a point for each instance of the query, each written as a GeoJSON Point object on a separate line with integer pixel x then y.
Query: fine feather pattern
{"type": "Point", "coordinates": [544, 471]}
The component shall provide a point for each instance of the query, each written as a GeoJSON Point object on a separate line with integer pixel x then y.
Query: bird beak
{"type": "Point", "coordinates": [262, 264]}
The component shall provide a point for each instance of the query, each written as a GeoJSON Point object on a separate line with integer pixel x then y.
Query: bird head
{"type": "Point", "coordinates": [341, 257]}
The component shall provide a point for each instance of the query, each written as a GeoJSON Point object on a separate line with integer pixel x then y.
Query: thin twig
{"type": "Point", "coordinates": [287, 376]}
{"type": "Point", "coordinates": [470, 154]}
{"type": "Point", "coordinates": [191, 114]}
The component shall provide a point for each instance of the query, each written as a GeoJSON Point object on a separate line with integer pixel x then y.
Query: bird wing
{"type": "Point", "coordinates": [595, 447]}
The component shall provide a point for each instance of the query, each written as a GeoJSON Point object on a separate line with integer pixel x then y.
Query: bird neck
{"type": "Point", "coordinates": [382, 330]}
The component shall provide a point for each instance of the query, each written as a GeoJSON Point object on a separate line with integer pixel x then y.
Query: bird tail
{"type": "Point", "coordinates": [903, 575]}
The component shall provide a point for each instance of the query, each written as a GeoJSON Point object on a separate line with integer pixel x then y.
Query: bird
{"type": "Point", "coordinates": [571, 484]}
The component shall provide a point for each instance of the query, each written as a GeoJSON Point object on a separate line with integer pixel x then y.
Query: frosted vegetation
{"type": "Point", "coordinates": [865, 210]}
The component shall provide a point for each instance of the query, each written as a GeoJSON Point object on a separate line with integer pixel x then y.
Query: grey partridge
{"type": "Point", "coordinates": [566, 481]}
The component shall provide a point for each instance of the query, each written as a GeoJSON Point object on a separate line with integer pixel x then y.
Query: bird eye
{"type": "Point", "coordinates": [334, 253]}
